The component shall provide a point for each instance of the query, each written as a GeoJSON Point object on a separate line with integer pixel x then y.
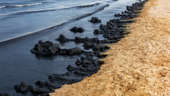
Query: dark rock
{"type": "Point", "coordinates": [48, 85]}
{"type": "Point", "coordinates": [75, 51]}
{"type": "Point", "coordinates": [45, 94]}
{"type": "Point", "coordinates": [96, 32]}
{"type": "Point", "coordinates": [70, 52]}
{"type": "Point", "coordinates": [100, 62]}
{"type": "Point", "coordinates": [63, 52]}
{"type": "Point", "coordinates": [84, 62]}
{"type": "Point", "coordinates": [88, 45]}
{"type": "Point", "coordinates": [100, 48]}
{"type": "Point", "coordinates": [95, 20]}
{"type": "Point", "coordinates": [86, 40]}
{"type": "Point", "coordinates": [79, 40]}
{"type": "Point", "coordinates": [62, 39]}
{"type": "Point", "coordinates": [79, 71]}
{"type": "Point", "coordinates": [40, 84]}
{"type": "Point", "coordinates": [4, 94]}
{"type": "Point", "coordinates": [70, 68]}
{"type": "Point", "coordinates": [77, 30]}
{"type": "Point", "coordinates": [101, 56]}
{"type": "Point", "coordinates": [46, 48]}
{"type": "Point", "coordinates": [22, 88]}
{"type": "Point", "coordinates": [40, 91]}
{"type": "Point", "coordinates": [66, 78]}
{"type": "Point", "coordinates": [78, 62]}
{"type": "Point", "coordinates": [102, 27]}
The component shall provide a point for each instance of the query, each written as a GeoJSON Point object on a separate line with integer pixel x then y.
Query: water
{"type": "Point", "coordinates": [24, 22]}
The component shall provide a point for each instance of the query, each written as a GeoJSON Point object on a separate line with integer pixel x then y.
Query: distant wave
{"type": "Point", "coordinates": [27, 12]}
{"type": "Point", "coordinates": [47, 10]}
{"type": "Point", "coordinates": [24, 5]}
{"type": "Point", "coordinates": [52, 27]}
{"type": "Point", "coordinates": [88, 5]}
{"type": "Point", "coordinates": [8, 5]}
{"type": "Point", "coordinates": [2, 7]}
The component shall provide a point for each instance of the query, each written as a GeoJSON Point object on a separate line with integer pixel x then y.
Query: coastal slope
{"type": "Point", "coordinates": [138, 65]}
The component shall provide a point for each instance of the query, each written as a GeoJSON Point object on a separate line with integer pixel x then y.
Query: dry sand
{"type": "Point", "coordinates": [138, 65]}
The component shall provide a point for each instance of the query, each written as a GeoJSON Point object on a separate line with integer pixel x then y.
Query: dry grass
{"type": "Point", "coordinates": [139, 65]}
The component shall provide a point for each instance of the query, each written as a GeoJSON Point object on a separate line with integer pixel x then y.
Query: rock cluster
{"type": "Point", "coordinates": [49, 48]}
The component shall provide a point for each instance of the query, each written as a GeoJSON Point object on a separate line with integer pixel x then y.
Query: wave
{"type": "Point", "coordinates": [8, 5]}
{"type": "Point", "coordinates": [27, 12]}
{"type": "Point", "coordinates": [2, 7]}
{"type": "Point", "coordinates": [47, 10]}
{"type": "Point", "coordinates": [88, 5]}
{"type": "Point", "coordinates": [24, 5]}
{"type": "Point", "coordinates": [53, 27]}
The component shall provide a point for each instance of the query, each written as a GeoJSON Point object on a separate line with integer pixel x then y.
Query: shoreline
{"type": "Point", "coordinates": [55, 51]}
{"type": "Point", "coordinates": [138, 65]}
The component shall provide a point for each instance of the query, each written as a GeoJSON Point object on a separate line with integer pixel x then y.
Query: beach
{"type": "Point", "coordinates": [138, 65]}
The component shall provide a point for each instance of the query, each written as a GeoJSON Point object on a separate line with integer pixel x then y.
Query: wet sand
{"type": "Point", "coordinates": [138, 65]}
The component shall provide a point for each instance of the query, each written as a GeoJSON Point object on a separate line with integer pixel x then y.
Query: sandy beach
{"type": "Point", "coordinates": [138, 65]}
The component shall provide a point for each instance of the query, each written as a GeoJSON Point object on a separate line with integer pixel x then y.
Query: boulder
{"type": "Point", "coordinates": [46, 48]}
{"type": "Point", "coordinates": [62, 39]}
{"type": "Point", "coordinates": [40, 91]}
{"type": "Point", "coordinates": [22, 88]}
{"type": "Point", "coordinates": [4, 94]}
{"type": "Point", "coordinates": [75, 51]}
{"type": "Point", "coordinates": [96, 32]}
{"type": "Point", "coordinates": [95, 20]}
{"type": "Point", "coordinates": [77, 30]}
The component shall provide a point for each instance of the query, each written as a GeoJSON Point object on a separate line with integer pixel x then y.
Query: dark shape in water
{"type": "Point", "coordinates": [62, 39]}
{"type": "Point", "coordinates": [40, 91]}
{"type": "Point", "coordinates": [70, 52]}
{"type": "Point", "coordinates": [77, 30]}
{"type": "Point", "coordinates": [23, 88]}
{"type": "Point", "coordinates": [46, 48]}
{"type": "Point", "coordinates": [96, 32]}
{"type": "Point", "coordinates": [4, 94]}
{"type": "Point", "coordinates": [95, 20]}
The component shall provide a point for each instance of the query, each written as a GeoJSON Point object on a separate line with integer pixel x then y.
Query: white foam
{"type": "Point", "coordinates": [24, 5]}
{"type": "Point", "coordinates": [2, 7]}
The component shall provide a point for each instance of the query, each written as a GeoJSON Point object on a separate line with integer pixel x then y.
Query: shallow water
{"type": "Point", "coordinates": [24, 23]}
